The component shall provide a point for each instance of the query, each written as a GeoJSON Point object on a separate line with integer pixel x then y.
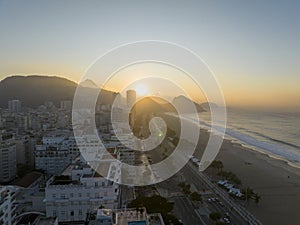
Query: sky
{"type": "Point", "coordinates": [252, 47]}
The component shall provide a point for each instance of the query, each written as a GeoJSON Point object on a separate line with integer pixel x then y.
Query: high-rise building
{"type": "Point", "coordinates": [14, 106]}
{"type": "Point", "coordinates": [8, 162]}
{"type": "Point", "coordinates": [131, 97]}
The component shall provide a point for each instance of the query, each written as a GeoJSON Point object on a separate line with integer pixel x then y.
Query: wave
{"type": "Point", "coordinates": [270, 138]}
{"type": "Point", "coordinates": [267, 147]}
{"type": "Point", "coordinates": [275, 148]}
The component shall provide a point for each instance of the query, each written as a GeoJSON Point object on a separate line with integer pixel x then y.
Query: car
{"type": "Point", "coordinates": [226, 220]}
{"type": "Point", "coordinates": [211, 200]}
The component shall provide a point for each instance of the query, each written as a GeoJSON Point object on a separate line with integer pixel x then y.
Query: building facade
{"type": "Point", "coordinates": [71, 197]}
{"type": "Point", "coordinates": [8, 162]}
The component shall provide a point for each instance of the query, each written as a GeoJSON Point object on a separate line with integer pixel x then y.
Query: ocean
{"type": "Point", "coordinates": [275, 134]}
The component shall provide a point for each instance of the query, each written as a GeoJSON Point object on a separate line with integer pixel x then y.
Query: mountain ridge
{"type": "Point", "coordinates": [35, 90]}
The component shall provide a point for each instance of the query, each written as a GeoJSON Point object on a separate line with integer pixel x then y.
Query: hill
{"type": "Point", "coordinates": [183, 103]}
{"type": "Point", "coordinates": [207, 105]}
{"type": "Point", "coordinates": [33, 91]}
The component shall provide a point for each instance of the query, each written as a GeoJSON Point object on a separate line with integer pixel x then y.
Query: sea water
{"type": "Point", "coordinates": [275, 134]}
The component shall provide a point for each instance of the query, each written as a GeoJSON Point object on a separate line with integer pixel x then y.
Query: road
{"type": "Point", "coordinates": [185, 212]}
{"type": "Point", "coordinates": [192, 177]}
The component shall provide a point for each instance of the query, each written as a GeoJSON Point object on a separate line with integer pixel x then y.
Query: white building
{"type": "Point", "coordinates": [124, 217]}
{"type": "Point", "coordinates": [8, 162]}
{"type": "Point", "coordinates": [78, 191]}
{"type": "Point", "coordinates": [55, 153]}
{"type": "Point", "coordinates": [7, 205]}
{"type": "Point", "coordinates": [51, 159]}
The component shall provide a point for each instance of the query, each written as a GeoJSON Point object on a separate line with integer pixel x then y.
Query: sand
{"type": "Point", "coordinates": [274, 180]}
{"type": "Point", "coordinates": [277, 183]}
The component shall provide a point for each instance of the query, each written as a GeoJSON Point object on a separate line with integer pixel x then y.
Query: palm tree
{"type": "Point", "coordinates": [256, 198]}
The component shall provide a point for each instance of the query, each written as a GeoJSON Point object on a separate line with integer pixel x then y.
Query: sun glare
{"type": "Point", "coordinates": [141, 89]}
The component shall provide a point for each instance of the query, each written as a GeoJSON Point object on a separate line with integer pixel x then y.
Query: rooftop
{"type": "Point", "coordinates": [63, 180]}
{"type": "Point", "coordinates": [28, 179]}
{"type": "Point", "coordinates": [46, 221]}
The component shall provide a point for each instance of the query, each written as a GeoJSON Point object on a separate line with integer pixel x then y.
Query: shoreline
{"type": "Point", "coordinates": [293, 164]}
{"type": "Point", "coordinates": [274, 180]}
{"type": "Point", "coordinates": [277, 182]}
{"type": "Point", "coordinates": [227, 137]}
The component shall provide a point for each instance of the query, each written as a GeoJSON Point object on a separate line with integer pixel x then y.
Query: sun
{"type": "Point", "coordinates": [141, 89]}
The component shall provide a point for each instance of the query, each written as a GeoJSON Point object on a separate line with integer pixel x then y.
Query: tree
{"type": "Point", "coordinates": [256, 198]}
{"type": "Point", "coordinates": [248, 192]}
{"type": "Point", "coordinates": [195, 196]}
{"type": "Point", "coordinates": [185, 188]}
{"type": "Point", "coordinates": [153, 204]}
{"type": "Point", "coordinates": [220, 223]}
{"type": "Point", "coordinates": [215, 216]}
{"type": "Point", "coordinates": [230, 176]}
{"type": "Point", "coordinates": [217, 164]}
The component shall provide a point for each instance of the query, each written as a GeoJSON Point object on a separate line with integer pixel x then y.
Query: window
{"type": "Point", "coordinates": [80, 212]}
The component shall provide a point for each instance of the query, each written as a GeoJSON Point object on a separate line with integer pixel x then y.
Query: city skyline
{"type": "Point", "coordinates": [253, 49]}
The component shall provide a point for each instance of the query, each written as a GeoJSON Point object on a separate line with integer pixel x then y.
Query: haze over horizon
{"type": "Point", "coordinates": [252, 47]}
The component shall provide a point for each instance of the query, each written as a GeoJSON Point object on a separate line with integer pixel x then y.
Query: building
{"type": "Point", "coordinates": [76, 192]}
{"type": "Point", "coordinates": [56, 152]}
{"type": "Point", "coordinates": [66, 105]}
{"type": "Point", "coordinates": [25, 150]}
{"type": "Point", "coordinates": [51, 159]}
{"type": "Point", "coordinates": [138, 216]}
{"type": "Point", "coordinates": [126, 156]}
{"type": "Point", "coordinates": [14, 106]}
{"type": "Point", "coordinates": [8, 162]}
{"type": "Point", "coordinates": [7, 205]}
{"type": "Point", "coordinates": [131, 216]}
{"type": "Point", "coordinates": [130, 97]}
{"type": "Point", "coordinates": [100, 217]}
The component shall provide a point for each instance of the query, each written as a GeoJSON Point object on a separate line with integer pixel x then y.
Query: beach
{"type": "Point", "coordinates": [274, 180]}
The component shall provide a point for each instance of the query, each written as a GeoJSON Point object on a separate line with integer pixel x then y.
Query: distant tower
{"type": "Point", "coordinates": [14, 106]}
{"type": "Point", "coordinates": [131, 97]}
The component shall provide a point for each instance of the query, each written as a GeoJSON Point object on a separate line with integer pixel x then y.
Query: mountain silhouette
{"type": "Point", "coordinates": [183, 103]}
{"type": "Point", "coordinates": [35, 90]}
